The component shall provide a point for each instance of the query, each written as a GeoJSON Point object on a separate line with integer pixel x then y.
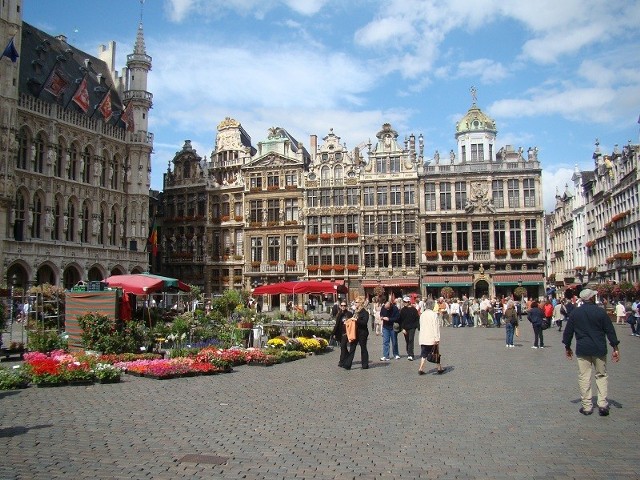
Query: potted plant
{"type": "Point", "coordinates": [13, 378]}
{"type": "Point", "coordinates": [519, 292]}
{"type": "Point", "coordinates": [501, 252]}
{"type": "Point", "coordinates": [446, 292]}
{"type": "Point", "coordinates": [431, 254]}
{"type": "Point", "coordinates": [107, 373]}
{"type": "Point", "coordinates": [78, 373]}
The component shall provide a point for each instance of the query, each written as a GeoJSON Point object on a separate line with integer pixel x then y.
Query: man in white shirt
{"type": "Point", "coordinates": [485, 305]}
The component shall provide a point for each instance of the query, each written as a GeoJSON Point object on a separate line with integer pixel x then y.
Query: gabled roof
{"type": "Point", "coordinates": [41, 54]}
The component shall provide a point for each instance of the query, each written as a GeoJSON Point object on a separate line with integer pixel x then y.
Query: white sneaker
{"type": "Point", "coordinates": [397, 357]}
{"type": "Point", "coordinates": [506, 346]}
{"type": "Point", "coordinates": [410, 358]}
{"type": "Point", "coordinates": [512, 346]}
{"type": "Point", "coordinates": [535, 347]}
{"type": "Point", "coordinates": [384, 359]}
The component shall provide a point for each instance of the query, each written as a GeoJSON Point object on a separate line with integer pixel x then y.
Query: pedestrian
{"type": "Point", "coordinates": [621, 313]}
{"type": "Point", "coordinates": [340, 332]}
{"type": "Point", "coordinates": [510, 322]}
{"type": "Point", "coordinates": [409, 322]}
{"type": "Point", "coordinates": [535, 316]}
{"type": "Point", "coordinates": [429, 337]}
{"type": "Point", "coordinates": [376, 316]}
{"type": "Point", "coordinates": [592, 327]}
{"type": "Point", "coordinates": [557, 315]}
{"type": "Point", "coordinates": [361, 316]}
{"type": "Point", "coordinates": [389, 314]}
{"type": "Point", "coordinates": [455, 313]}
{"type": "Point", "coordinates": [497, 313]}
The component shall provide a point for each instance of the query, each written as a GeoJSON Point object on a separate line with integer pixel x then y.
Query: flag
{"type": "Point", "coordinates": [81, 97]}
{"type": "Point", "coordinates": [105, 106]}
{"type": "Point", "coordinates": [10, 51]}
{"type": "Point", "coordinates": [153, 239]}
{"type": "Point", "coordinates": [56, 83]}
{"type": "Point", "coordinates": [127, 118]}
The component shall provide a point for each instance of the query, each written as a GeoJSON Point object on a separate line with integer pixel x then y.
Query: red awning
{"type": "Point", "coordinates": [292, 288]}
{"type": "Point", "coordinates": [449, 278]}
{"type": "Point", "coordinates": [136, 284]}
{"type": "Point", "coordinates": [515, 277]}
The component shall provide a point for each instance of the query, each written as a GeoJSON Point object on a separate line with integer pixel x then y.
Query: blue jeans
{"type": "Point", "coordinates": [456, 319]}
{"type": "Point", "coordinates": [510, 329]}
{"type": "Point", "coordinates": [389, 334]}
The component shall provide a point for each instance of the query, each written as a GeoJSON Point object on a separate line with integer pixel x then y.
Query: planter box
{"type": "Point", "coordinates": [109, 380]}
{"type": "Point", "coordinates": [80, 383]}
{"type": "Point", "coordinates": [162, 377]}
{"type": "Point", "coordinates": [50, 384]}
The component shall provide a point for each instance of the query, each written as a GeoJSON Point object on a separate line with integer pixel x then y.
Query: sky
{"type": "Point", "coordinates": [553, 74]}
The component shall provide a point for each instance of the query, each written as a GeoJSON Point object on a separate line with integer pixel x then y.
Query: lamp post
{"type": "Point", "coordinates": [14, 280]}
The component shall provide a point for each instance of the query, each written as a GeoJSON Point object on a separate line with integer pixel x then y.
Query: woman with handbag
{"type": "Point", "coordinates": [340, 332]}
{"type": "Point", "coordinates": [429, 338]}
{"type": "Point", "coordinates": [361, 316]}
{"type": "Point", "coordinates": [536, 316]}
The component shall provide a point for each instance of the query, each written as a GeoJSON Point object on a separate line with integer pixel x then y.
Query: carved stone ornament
{"type": "Point", "coordinates": [479, 200]}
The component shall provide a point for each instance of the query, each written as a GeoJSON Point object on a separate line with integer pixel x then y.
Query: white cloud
{"type": "Point", "coordinates": [555, 179]}
{"type": "Point", "coordinates": [487, 70]}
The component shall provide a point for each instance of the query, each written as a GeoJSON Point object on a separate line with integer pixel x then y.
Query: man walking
{"type": "Point", "coordinates": [409, 322]}
{"type": "Point", "coordinates": [592, 327]}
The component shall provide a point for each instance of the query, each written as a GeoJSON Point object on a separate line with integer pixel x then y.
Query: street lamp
{"type": "Point", "coordinates": [14, 280]}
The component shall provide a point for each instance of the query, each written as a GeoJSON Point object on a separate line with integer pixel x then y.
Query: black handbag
{"type": "Point", "coordinates": [434, 355]}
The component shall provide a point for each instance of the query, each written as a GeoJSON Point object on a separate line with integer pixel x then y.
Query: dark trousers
{"type": "Point", "coordinates": [537, 332]}
{"type": "Point", "coordinates": [363, 335]}
{"type": "Point", "coordinates": [409, 338]}
{"type": "Point", "coordinates": [344, 349]}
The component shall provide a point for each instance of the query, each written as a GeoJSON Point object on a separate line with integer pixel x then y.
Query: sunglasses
{"type": "Point", "coordinates": [343, 305]}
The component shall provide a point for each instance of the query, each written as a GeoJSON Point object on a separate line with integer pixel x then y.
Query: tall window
{"type": "Point", "coordinates": [58, 165]}
{"type": "Point", "coordinates": [515, 237]}
{"type": "Point", "coordinates": [445, 196]}
{"type": "Point", "coordinates": [395, 196]}
{"type": "Point", "coordinates": [256, 249]}
{"type": "Point", "coordinates": [291, 209]}
{"type": "Point", "coordinates": [38, 157]}
{"type": "Point", "coordinates": [70, 222]}
{"type": "Point", "coordinates": [382, 196]}
{"type": "Point", "coordinates": [113, 231]}
{"type": "Point", "coordinates": [409, 195]}
{"type": "Point", "coordinates": [103, 221]}
{"type": "Point", "coordinates": [273, 250]}
{"type": "Point", "coordinates": [368, 224]}
{"type": "Point", "coordinates": [86, 165]}
{"type": "Point", "coordinates": [313, 225]}
{"type": "Point", "coordinates": [463, 154]}
{"type": "Point", "coordinates": [381, 165]}
{"type": "Point", "coordinates": [255, 211]}
{"type": "Point", "coordinates": [513, 190]}
{"type": "Point", "coordinates": [497, 190]}
{"type": "Point", "coordinates": [499, 238]}
{"type": "Point", "coordinates": [72, 173]}
{"type": "Point", "coordinates": [383, 256]}
{"type": "Point", "coordinates": [462, 236]}
{"type": "Point", "coordinates": [531, 237]}
{"type": "Point", "coordinates": [368, 196]}
{"type": "Point", "coordinates": [36, 227]}
{"type": "Point", "coordinates": [394, 164]}
{"type": "Point", "coordinates": [325, 177]}
{"type": "Point", "coordinates": [446, 236]}
{"type": "Point", "coordinates": [340, 256]}
{"type": "Point", "coordinates": [383, 224]}
{"type": "Point", "coordinates": [353, 255]}
{"type": "Point", "coordinates": [352, 196]}
{"type": "Point", "coordinates": [410, 254]}
{"type": "Point", "coordinates": [325, 197]}
{"type": "Point", "coordinates": [338, 197]}
{"type": "Point", "coordinates": [339, 225]}
{"type": "Point", "coordinates": [396, 224]}
{"type": "Point", "coordinates": [57, 221]}
{"type": "Point", "coordinates": [273, 180]}
{"type": "Point", "coordinates": [430, 197]}
{"type": "Point", "coordinates": [313, 256]}
{"type": "Point", "coordinates": [86, 223]}
{"type": "Point", "coordinates": [369, 256]}
{"type": "Point", "coordinates": [255, 181]}
{"type": "Point", "coordinates": [291, 246]}
{"type": "Point", "coordinates": [353, 223]}
{"type": "Point", "coordinates": [115, 173]}
{"type": "Point", "coordinates": [529, 191]}
{"type": "Point", "coordinates": [461, 195]}
{"type": "Point", "coordinates": [273, 210]}
{"type": "Point", "coordinates": [477, 152]}
{"type": "Point", "coordinates": [103, 171]}
{"type": "Point", "coordinates": [312, 198]}
{"type": "Point", "coordinates": [23, 149]}
{"type": "Point", "coordinates": [326, 224]}
{"type": "Point", "coordinates": [431, 229]}
{"type": "Point", "coordinates": [325, 256]}
{"type": "Point", "coordinates": [480, 235]}
{"type": "Point", "coordinates": [409, 225]}
{"type": "Point", "coordinates": [291, 179]}
{"type": "Point", "coordinates": [396, 255]}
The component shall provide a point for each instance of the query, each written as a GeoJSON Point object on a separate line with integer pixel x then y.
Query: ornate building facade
{"type": "Point", "coordinates": [595, 233]}
{"type": "Point", "coordinates": [380, 218]}
{"type": "Point", "coordinates": [74, 158]}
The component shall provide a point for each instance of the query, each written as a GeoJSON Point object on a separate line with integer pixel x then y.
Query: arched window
{"type": "Point", "coordinates": [19, 218]}
{"type": "Point", "coordinates": [115, 166]}
{"type": "Point", "coordinates": [103, 221]}
{"type": "Point", "coordinates": [114, 227]}
{"type": "Point", "coordinates": [70, 222]}
{"type": "Point", "coordinates": [338, 174]}
{"type": "Point", "coordinates": [58, 166]}
{"type": "Point", "coordinates": [86, 222]}
{"type": "Point", "coordinates": [72, 172]}
{"type": "Point", "coordinates": [36, 226]}
{"type": "Point", "coordinates": [86, 165]}
{"type": "Point", "coordinates": [39, 154]}
{"type": "Point", "coordinates": [104, 169]}
{"type": "Point", "coordinates": [57, 221]}
{"type": "Point", "coordinates": [23, 149]}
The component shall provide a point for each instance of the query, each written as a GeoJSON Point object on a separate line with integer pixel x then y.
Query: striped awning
{"type": "Point", "coordinates": [447, 280]}
{"type": "Point", "coordinates": [391, 282]}
{"type": "Point", "coordinates": [502, 279]}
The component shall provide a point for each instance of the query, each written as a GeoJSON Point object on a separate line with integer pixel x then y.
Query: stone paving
{"type": "Point", "coordinates": [496, 413]}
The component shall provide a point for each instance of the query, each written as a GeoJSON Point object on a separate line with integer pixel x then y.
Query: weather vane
{"type": "Point", "coordinates": [474, 94]}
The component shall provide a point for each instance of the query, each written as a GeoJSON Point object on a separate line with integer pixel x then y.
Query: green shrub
{"type": "Point", "coordinates": [13, 378]}
{"type": "Point", "coordinates": [47, 341]}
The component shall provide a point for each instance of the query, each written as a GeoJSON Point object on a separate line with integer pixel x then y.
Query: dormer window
{"type": "Point", "coordinates": [186, 170]}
